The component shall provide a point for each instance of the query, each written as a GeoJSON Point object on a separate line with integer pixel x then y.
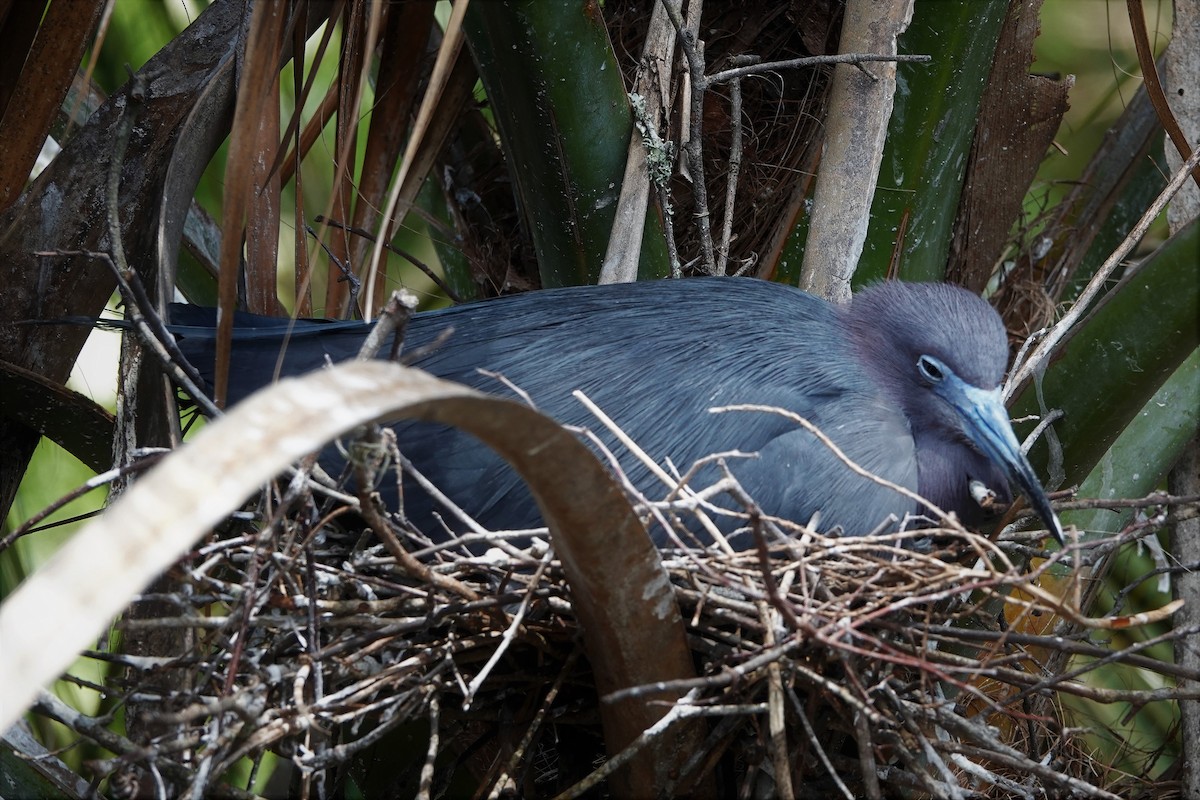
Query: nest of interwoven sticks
{"type": "Point", "coordinates": [931, 663]}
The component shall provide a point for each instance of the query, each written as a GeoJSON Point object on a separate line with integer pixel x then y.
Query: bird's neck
{"type": "Point", "coordinates": [945, 470]}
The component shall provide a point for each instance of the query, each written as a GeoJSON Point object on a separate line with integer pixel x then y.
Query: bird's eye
{"type": "Point", "coordinates": [930, 369]}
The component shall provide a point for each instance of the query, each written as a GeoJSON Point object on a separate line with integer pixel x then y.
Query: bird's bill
{"type": "Point", "coordinates": [988, 426]}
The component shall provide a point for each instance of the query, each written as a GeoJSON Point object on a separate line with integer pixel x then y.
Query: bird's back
{"type": "Point", "coordinates": [655, 357]}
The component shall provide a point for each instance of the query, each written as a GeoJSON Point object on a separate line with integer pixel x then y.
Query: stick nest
{"type": "Point", "coordinates": [933, 663]}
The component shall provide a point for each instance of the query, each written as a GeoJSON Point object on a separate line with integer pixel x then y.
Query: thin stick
{"type": "Point", "coordinates": [652, 465]}
{"type": "Point", "coordinates": [816, 745]}
{"type": "Point", "coordinates": [1040, 357]}
{"type": "Point", "coordinates": [775, 716]}
{"type": "Point", "coordinates": [510, 633]}
{"type": "Point", "coordinates": [693, 51]}
{"type": "Point", "coordinates": [391, 248]}
{"type": "Point", "coordinates": [735, 167]}
{"type": "Point", "coordinates": [426, 786]}
{"type": "Point", "coordinates": [442, 67]}
{"type": "Point", "coordinates": [812, 61]}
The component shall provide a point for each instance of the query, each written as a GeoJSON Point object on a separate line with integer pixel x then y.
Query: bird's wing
{"type": "Point", "coordinates": [261, 345]}
{"type": "Point", "coordinates": [657, 368]}
{"type": "Point", "coordinates": [798, 475]}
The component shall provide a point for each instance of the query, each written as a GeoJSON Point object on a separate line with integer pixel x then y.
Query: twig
{"type": "Point", "coordinates": [510, 635]}
{"type": "Point", "coordinates": [775, 713]}
{"type": "Point", "coordinates": [346, 274]}
{"type": "Point", "coordinates": [96, 730]}
{"type": "Point", "coordinates": [1045, 422]}
{"type": "Point", "coordinates": [693, 51]}
{"type": "Point", "coordinates": [1010, 758]}
{"type": "Point", "coordinates": [534, 726]}
{"type": "Point", "coordinates": [735, 166]}
{"type": "Point", "coordinates": [949, 784]}
{"type": "Point", "coordinates": [369, 507]}
{"type": "Point", "coordinates": [817, 747]}
{"type": "Point", "coordinates": [672, 485]}
{"type": "Point", "coordinates": [1112, 657]}
{"type": "Point", "coordinates": [1152, 500]}
{"type": "Point", "coordinates": [425, 791]}
{"type": "Point", "coordinates": [730, 676]}
{"type": "Point", "coordinates": [164, 348]}
{"type": "Point", "coordinates": [700, 83]}
{"type": "Point", "coordinates": [394, 318]}
{"type": "Point", "coordinates": [149, 459]}
{"type": "Point", "coordinates": [813, 61]}
{"type": "Point", "coordinates": [866, 757]}
{"type": "Point", "coordinates": [680, 710]}
{"type": "Point", "coordinates": [429, 271]}
{"type": "Point", "coordinates": [1040, 357]}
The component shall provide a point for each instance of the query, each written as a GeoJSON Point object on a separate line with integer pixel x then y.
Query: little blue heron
{"type": "Point", "coordinates": [904, 379]}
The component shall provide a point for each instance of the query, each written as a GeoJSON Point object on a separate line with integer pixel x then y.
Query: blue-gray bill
{"type": "Point", "coordinates": [987, 425]}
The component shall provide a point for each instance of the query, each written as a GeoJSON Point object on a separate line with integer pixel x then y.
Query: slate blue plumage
{"type": "Point", "coordinates": [879, 377]}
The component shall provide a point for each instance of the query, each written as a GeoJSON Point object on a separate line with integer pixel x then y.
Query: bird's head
{"type": "Point", "coordinates": [940, 352]}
